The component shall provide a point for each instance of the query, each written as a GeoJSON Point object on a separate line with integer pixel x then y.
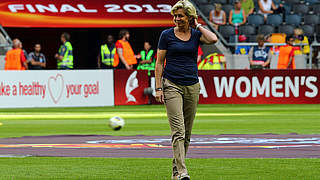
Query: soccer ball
{"type": "Point", "coordinates": [116, 123]}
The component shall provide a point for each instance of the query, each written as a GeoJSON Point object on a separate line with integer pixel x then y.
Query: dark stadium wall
{"type": "Point", "coordinates": [85, 41]}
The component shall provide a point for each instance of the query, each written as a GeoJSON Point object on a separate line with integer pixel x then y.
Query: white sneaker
{"type": "Point", "coordinates": [183, 176]}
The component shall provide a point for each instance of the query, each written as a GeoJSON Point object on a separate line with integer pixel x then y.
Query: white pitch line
{"type": "Point", "coordinates": [108, 115]}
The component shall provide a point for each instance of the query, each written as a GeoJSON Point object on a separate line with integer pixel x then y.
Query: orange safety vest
{"type": "Point", "coordinates": [284, 58]}
{"type": "Point", "coordinates": [13, 60]}
{"type": "Point", "coordinates": [128, 54]}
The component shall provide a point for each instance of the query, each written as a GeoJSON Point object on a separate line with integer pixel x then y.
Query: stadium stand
{"type": "Point", "coordinates": [207, 9]}
{"type": "Point", "coordinates": [308, 30]}
{"type": "Point", "coordinates": [316, 8]}
{"type": "Point", "coordinates": [274, 19]}
{"type": "Point", "coordinates": [219, 1]}
{"type": "Point", "coordinates": [301, 9]}
{"type": "Point", "coordinates": [255, 19]}
{"type": "Point", "coordinates": [311, 2]}
{"type": "Point", "coordinates": [311, 19]}
{"type": "Point", "coordinates": [227, 31]}
{"type": "Point", "coordinates": [293, 19]}
{"type": "Point", "coordinates": [298, 13]}
{"type": "Point", "coordinates": [247, 29]}
{"type": "Point", "coordinates": [266, 29]}
{"type": "Point", "coordinates": [286, 29]}
{"type": "Point", "coordinates": [292, 2]}
{"type": "Point", "coordinates": [227, 8]}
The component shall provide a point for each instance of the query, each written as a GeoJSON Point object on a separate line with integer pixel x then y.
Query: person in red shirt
{"type": "Point", "coordinates": [15, 58]}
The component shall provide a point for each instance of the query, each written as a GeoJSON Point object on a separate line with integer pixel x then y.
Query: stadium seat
{"type": "Point", "coordinates": [316, 8]}
{"type": "Point", "coordinates": [287, 8]}
{"type": "Point", "coordinates": [292, 2]}
{"type": "Point", "coordinates": [206, 9]}
{"type": "Point", "coordinates": [226, 31]}
{"type": "Point", "coordinates": [252, 38]}
{"type": "Point", "coordinates": [311, 2]}
{"type": "Point", "coordinates": [274, 19]}
{"type": "Point", "coordinates": [227, 8]}
{"type": "Point", "coordinates": [266, 29]}
{"type": "Point", "coordinates": [218, 1]}
{"type": "Point", "coordinates": [199, 2]}
{"type": "Point", "coordinates": [311, 19]}
{"type": "Point", "coordinates": [308, 30]}
{"type": "Point", "coordinates": [247, 29]}
{"type": "Point", "coordinates": [301, 9]}
{"type": "Point", "coordinates": [256, 19]}
{"type": "Point", "coordinates": [286, 29]}
{"type": "Point", "coordinates": [293, 19]}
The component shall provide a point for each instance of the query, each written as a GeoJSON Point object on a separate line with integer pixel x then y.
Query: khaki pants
{"type": "Point", "coordinates": [181, 104]}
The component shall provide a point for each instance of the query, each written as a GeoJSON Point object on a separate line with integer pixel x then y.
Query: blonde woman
{"type": "Point", "coordinates": [217, 16]}
{"type": "Point", "coordinates": [177, 83]}
{"type": "Point", "coordinates": [301, 39]}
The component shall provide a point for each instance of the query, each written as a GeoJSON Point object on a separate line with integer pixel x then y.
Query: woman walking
{"type": "Point", "coordinates": [177, 81]}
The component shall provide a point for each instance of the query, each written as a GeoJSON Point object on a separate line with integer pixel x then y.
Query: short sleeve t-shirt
{"type": "Point", "coordinates": [181, 57]}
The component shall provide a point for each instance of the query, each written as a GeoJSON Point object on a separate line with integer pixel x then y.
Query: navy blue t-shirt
{"type": "Point", "coordinates": [181, 57]}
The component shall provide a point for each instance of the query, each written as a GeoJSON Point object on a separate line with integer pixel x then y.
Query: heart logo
{"type": "Point", "coordinates": [56, 87]}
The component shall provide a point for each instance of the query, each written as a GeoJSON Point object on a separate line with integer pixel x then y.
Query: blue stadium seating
{"type": "Point", "coordinates": [311, 19]}
{"type": "Point", "coordinates": [266, 29]}
{"type": "Point", "coordinates": [274, 19]}
{"type": "Point", "coordinates": [293, 19]}
{"type": "Point", "coordinates": [247, 29]}
{"type": "Point", "coordinates": [308, 30]}
{"type": "Point", "coordinates": [301, 9]}
{"type": "Point", "coordinates": [316, 8]}
{"type": "Point", "coordinates": [287, 29]}
{"type": "Point", "coordinates": [255, 19]}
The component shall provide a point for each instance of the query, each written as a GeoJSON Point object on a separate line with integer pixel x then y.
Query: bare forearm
{"type": "Point", "coordinates": [208, 37]}
{"type": "Point", "coordinates": [159, 67]}
{"type": "Point", "coordinates": [158, 74]}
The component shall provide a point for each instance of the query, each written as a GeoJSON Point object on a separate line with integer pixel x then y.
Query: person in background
{"type": "Point", "coordinates": [247, 6]}
{"type": "Point", "coordinates": [177, 83]}
{"type": "Point", "coordinates": [301, 39]}
{"type": "Point", "coordinates": [200, 54]}
{"type": "Point", "coordinates": [286, 55]}
{"type": "Point", "coordinates": [237, 16]}
{"type": "Point", "coordinates": [106, 55]}
{"type": "Point", "coordinates": [267, 7]}
{"type": "Point", "coordinates": [217, 16]}
{"type": "Point", "coordinates": [15, 58]}
{"type": "Point", "coordinates": [37, 59]}
{"type": "Point", "coordinates": [65, 55]}
{"type": "Point", "coordinates": [242, 49]}
{"type": "Point", "coordinates": [124, 57]}
{"type": "Point", "coordinates": [260, 56]}
{"type": "Point", "coordinates": [147, 55]}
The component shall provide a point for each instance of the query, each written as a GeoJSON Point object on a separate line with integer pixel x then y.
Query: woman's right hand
{"type": "Point", "coordinates": [159, 96]}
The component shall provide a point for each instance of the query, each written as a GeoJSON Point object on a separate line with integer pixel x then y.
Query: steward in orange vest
{"type": "Point", "coordinates": [124, 58]}
{"type": "Point", "coordinates": [286, 55]}
{"type": "Point", "coordinates": [15, 59]}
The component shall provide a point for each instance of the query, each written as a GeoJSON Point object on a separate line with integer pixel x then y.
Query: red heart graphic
{"type": "Point", "coordinates": [56, 89]}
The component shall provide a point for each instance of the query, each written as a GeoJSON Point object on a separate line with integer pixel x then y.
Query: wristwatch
{"type": "Point", "coordinates": [158, 89]}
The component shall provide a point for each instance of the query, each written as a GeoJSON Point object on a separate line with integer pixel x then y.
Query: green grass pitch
{"type": "Point", "coordinates": [151, 120]}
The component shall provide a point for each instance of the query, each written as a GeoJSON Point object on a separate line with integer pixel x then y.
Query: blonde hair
{"type": "Point", "coordinates": [187, 6]}
{"type": "Point", "coordinates": [218, 7]}
{"type": "Point", "coordinates": [298, 31]}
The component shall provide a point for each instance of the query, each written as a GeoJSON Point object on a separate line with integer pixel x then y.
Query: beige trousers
{"type": "Point", "coordinates": [181, 104]}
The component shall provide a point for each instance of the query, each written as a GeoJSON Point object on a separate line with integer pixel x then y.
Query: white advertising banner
{"type": "Point", "coordinates": [78, 88]}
